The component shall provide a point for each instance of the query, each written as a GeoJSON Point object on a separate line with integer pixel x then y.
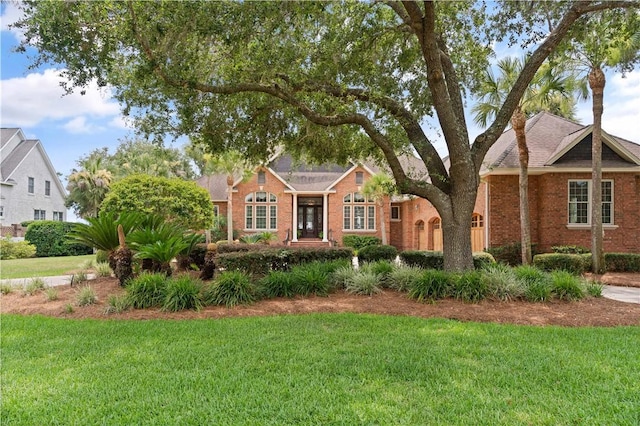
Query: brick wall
{"type": "Point", "coordinates": [548, 195]}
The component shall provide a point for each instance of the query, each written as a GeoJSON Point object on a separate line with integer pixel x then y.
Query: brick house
{"type": "Point", "coordinates": [306, 204]}
{"type": "Point", "coordinates": [560, 187]}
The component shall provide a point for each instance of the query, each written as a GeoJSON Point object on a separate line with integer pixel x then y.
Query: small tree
{"type": "Point", "coordinates": [377, 188]}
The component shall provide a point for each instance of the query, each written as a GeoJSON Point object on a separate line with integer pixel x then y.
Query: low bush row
{"type": "Point", "coordinates": [435, 259]}
{"type": "Point", "coordinates": [16, 249]}
{"type": "Point", "coordinates": [50, 239]}
{"type": "Point", "coordinates": [230, 288]}
{"type": "Point", "coordinates": [581, 263]}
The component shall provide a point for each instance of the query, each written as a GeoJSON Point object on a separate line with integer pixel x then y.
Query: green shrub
{"type": "Point", "coordinates": [403, 277]}
{"type": "Point", "coordinates": [147, 290]}
{"type": "Point", "coordinates": [342, 275]}
{"type": "Point", "coordinates": [358, 242]}
{"type": "Point", "coordinates": [510, 254]}
{"type": "Point", "coordinates": [231, 288]}
{"type": "Point", "coordinates": [86, 296]}
{"type": "Point", "coordinates": [431, 285]}
{"type": "Point", "coordinates": [566, 286]}
{"type": "Point", "coordinates": [102, 256]}
{"type": "Point", "coordinates": [382, 268]}
{"type": "Point", "coordinates": [79, 277]}
{"type": "Point", "coordinates": [68, 308]}
{"type": "Point", "coordinates": [537, 283]}
{"type": "Point", "coordinates": [50, 239]}
{"type": "Point", "coordinates": [33, 286]}
{"type": "Point", "coordinates": [622, 262]}
{"type": "Point", "coordinates": [577, 264]}
{"type": "Point", "coordinates": [183, 292]}
{"type": "Point", "coordinates": [377, 252]}
{"type": "Point", "coordinates": [570, 249]}
{"type": "Point", "coordinates": [50, 294]}
{"type": "Point", "coordinates": [311, 278]}
{"type": "Point", "coordinates": [594, 288]}
{"type": "Point", "coordinates": [469, 286]}
{"type": "Point", "coordinates": [6, 288]}
{"type": "Point", "coordinates": [16, 249]}
{"type": "Point", "coordinates": [364, 282]}
{"type": "Point", "coordinates": [102, 269]}
{"type": "Point", "coordinates": [117, 304]}
{"type": "Point", "coordinates": [435, 259]}
{"type": "Point", "coordinates": [501, 283]}
{"type": "Point", "coordinates": [277, 284]}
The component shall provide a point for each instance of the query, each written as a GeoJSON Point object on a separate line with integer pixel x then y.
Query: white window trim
{"type": "Point", "coordinates": [587, 225]}
{"type": "Point", "coordinates": [267, 204]}
{"type": "Point", "coordinates": [399, 218]}
{"type": "Point", "coordinates": [366, 204]}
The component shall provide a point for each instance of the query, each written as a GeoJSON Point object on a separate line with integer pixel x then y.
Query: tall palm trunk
{"type": "Point", "coordinates": [597, 82]}
{"type": "Point", "coordinates": [518, 121]}
{"type": "Point", "coordinates": [229, 208]}
{"type": "Point", "coordinates": [383, 225]}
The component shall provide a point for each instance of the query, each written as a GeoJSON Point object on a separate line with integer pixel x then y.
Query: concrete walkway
{"type": "Point", "coordinates": [49, 281]}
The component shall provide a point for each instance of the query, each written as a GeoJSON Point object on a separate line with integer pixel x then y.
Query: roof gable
{"type": "Point", "coordinates": [576, 150]}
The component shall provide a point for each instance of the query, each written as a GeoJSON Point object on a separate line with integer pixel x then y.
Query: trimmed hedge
{"type": "Point", "coordinates": [435, 259]}
{"type": "Point", "coordinates": [574, 263]}
{"type": "Point", "coordinates": [16, 249]}
{"type": "Point", "coordinates": [375, 253]}
{"type": "Point", "coordinates": [260, 262]}
{"type": "Point", "coordinates": [622, 262]}
{"type": "Point", "coordinates": [50, 239]}
{"type": "Point", "coordinates": [511, 254]}
{"type": "Point", "coordinates": [244, 247]}
{"type": "Point", "coordinates": [359, 241]}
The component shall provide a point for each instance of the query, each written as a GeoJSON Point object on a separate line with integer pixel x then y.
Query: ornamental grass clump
{"type": "Point", "coordinates": [501, 283]}
{"type": "Point", "coordinates": [364, 282]}
{"type": "Point", "coordinates": [537, 283]}
{"type": "Point", "coordinates": [102, 269]}
{"type": "Point", "coordinates": [403, 277]}
{"type": "Point", "coordinates": [33, 286]}
{"type": "Point", "coordinates": [147, 290]}
{"type": "Point", "coordinates": [341, 276]}
{"type": "Point", "coordinates": [593, 288]}
{"type": "Point", "coordinates": [469, 287]}
{"type": "Point", "coordinates": [277, 284]}
{"type": "Point", "coordinates": [117, 304]}
{"type": "Point", "coordinates": [566, 286]}
{"type": "Point", "coordinates": [431, 285]}
{"type": "Point", "coordinates": [382, 268]}
{"type": "Point", "coordinates": [182, 292]}
{"type": "Point", "coordinates": [312, 278]}
{"type": "Point", "coordinates": [86, 296]}
{"type": "Point", "coordinates": [231, 288]}
{"type": "Point", "coordinates": [50, 294]}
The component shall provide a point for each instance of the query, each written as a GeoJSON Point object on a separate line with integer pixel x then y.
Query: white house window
{"type": "Point", "coordinates": [39, 215]}
{"type": "Point", "coordinates": [260, 212]}
{"type": "Point", "coordinates": [262, 178]}
{"type": "Point", "coordinates": [358, 212]}
{"type": "Point", "coordinates": [58, 216]}
{"type": "Point", "coordinates": [31, 185]}
{"type": "Point", "coordinates": [1, 211]}
{"type": "Point", "coordinates": [359, 178]}
{"type": "Point", "coordinates": [395, 212]}
{"type": "Point", "coordinates": [580, 202]}
{"type": "Point", "coordinates": [47, 188]}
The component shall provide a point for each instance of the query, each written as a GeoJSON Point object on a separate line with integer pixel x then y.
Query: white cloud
{"type": "Point", "coordinates": [27, 101]}
{"type": "Point", "coordinates": [121, 122]}
{"type": "Point", "coordinates": [79, 125]}
{"type": "Point", "coordinates": [621, 107]}
{"type": "Point", "coordinates": [11, 14]}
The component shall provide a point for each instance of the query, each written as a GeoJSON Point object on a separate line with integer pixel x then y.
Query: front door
{"type": "Point", "coordinates": [309, 221]}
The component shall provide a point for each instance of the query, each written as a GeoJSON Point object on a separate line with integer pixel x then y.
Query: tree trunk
{"type": "Point", "coordinates": [456, 230]}
{"type": "Point", "coordinates": [596, 83]}
{"type": "Point", "coordinates": [518, 122]}
{"type": "Point", "coordinates": [229, 209]}
{"type": "Point", "coordinates": [383, 225]}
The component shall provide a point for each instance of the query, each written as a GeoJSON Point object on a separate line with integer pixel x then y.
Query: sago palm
{"type": "Point", "coordinates": [377, 188]}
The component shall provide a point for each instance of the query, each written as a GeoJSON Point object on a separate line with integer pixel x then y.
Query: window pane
{"type": "Point", "coordinates": [248, 223]}
{"type": "Point", "coordinates": [249, 198]}
{"type": "Point", "coordinates": [261, 197]}
{"type": "Point", "coordinates": [47, 187]}
{"type": "Point", "coordinates": [31, 185]}
{"type": "Point", "coordinates": [607, 193]}
{"type": "Point", "coordinates": [358, 198]}
{"type": "Point", "coordinates": [261, 178]}
{"type": "Point", "coordinates": [358, 217]}
{"type": "Point", "coordinates": [371, 219]}
{"type": "Point", "coordinates": [347, 198]}
{"type": "Point", "coordinates": [606, 213]}
{"type": "Point", "coordinates": [395, 212]}
{"type": "Point", "coordinates": [273, 217]}
{"type": "Point", "coordinates": [346, 223]}
{"type": "Point", "coordinates": [359, 178]}
{"type": "Point", "coordinates": [261, 217]}
{"type": "Point", "coordinates": [300, 218]}
{"type": "Point", "coordinates": [579, 202]}
{"type": "Point", "coordinates": [272, 198]}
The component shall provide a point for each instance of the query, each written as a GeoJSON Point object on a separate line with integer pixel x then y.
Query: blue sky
{"type": "Point", "coordinates": [73, 125]}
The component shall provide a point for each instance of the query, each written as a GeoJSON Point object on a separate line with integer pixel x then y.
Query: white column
{"type": "Point", "coordinates": [294, 231]}
{"type": "Point", "coordinates": [325, 217]}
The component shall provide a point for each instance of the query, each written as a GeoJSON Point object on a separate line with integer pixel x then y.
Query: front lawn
{"type": "Point", "coordinates": [43, 266]}
{"type": "Point", "coordinates": [315, 369]}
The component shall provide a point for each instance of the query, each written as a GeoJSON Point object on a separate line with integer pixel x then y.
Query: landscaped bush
{"type": "Point", "coordinates": [510, 254]}
{"type": "Point", "coordinates": [537, 283]}
{"type": "Point", "coordinates": [182, 292]}
{"type": "Point", "coordinates": [435, 259]}
{"type": "Point", "coordinates": [402, 277]}
{"type": "Point", "coordinates": [374, 253]}
{"type": "Point", "coordinates": [342, 275]}
{"type": "Point", "coordinates": [117, 304]}
{"type": "Point", "coordinates": [311, 278]}
{"type": "Point", "coordinates": [147, 290]}
{"type": "Point", "coordinates": [358, 242]}
{"type": "Point", "coordinates": [570, 249]}
{"type": "Point", "coordinates": [469, 286]}
{"type": "Point", "coordinates": [622, 262]}
{"type": "Point", "coordinates": [277, 284]}
{"type": "Point", "coordinates": [102, 269]}
{"type": "Point", "coordinates": [431, 285]}
{"type": "Point", "coordinates": [231, 288]}
{"type": "Point", "coordinates": [260, 262]}
{"type": "Point", "coordinates": [382, 268]}
{"type": "Point", "coordinates": [364, 282]}
{"type": "Point", "coordinates": [16, 249]}
{"type": "Point", "coordinates": [501, 283]}
{"type": "Point", "coordinates": [566, 286]}
{"type": "Point", "coordinates": [86, 296]}
{"type": "Point", "coordinates": [577, 264]}
{"type": "Point", "coordinates": [50, 239]}
{"type": "Point", "coordinates": [33, 286]}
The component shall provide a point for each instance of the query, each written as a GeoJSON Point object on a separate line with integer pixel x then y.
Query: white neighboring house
{"type": "Point", "coordinates": [29, 186]}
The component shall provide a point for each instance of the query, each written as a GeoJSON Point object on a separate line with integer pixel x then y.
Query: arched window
{"type": "Point", "coordinates": [477, 221]}
{"type": "Point", "coordinates": [359, 213]}
{"type": "Point", "coordinates": [260, 211]}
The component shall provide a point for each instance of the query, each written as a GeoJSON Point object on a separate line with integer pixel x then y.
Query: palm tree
{"type": "Point", "coordinates": [87, 187]}
{"type": "Point", "coordinates": [549, 89]}
{"type": "Point", "coordinates": [377, 188]}
{"type": "Point", "coordinates": [232, 164]}
{"type": "Point", "coordinates": [609, 40]}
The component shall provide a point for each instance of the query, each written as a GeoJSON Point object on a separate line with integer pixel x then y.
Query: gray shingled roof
{"type": "Point", "coordinates": [547, 135]}
{"type": "Point", "coordinates": [6, 134]}
{"type": "Point", "coordinates": [216, 185]}
{"type": "Point", "coordinates": [15, 157]}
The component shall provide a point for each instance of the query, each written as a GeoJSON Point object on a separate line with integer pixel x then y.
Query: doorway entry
{"type": "Point", "coordinates": [309, 217]}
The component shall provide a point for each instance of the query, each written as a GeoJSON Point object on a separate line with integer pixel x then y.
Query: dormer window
{"type": "Point", "coordinates": [262, 178]}
{"type": "Point", "coordinates": [359, 178]}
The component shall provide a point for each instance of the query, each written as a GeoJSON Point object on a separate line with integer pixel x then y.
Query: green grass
{"type": "Point", "coordinates": [316, 369]}
{"type": "Point", "coordinates": [42, 266]}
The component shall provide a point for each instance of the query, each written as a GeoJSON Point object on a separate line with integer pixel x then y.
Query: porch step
{"type": "Point", "coordinates": [310, 242]}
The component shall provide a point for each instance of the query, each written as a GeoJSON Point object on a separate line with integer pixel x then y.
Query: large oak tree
{"type": "Point", "coordinates": [332, 80]}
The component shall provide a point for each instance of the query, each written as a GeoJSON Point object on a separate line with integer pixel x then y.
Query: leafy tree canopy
{"type": "Point", "coordinates": [178, 201]}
